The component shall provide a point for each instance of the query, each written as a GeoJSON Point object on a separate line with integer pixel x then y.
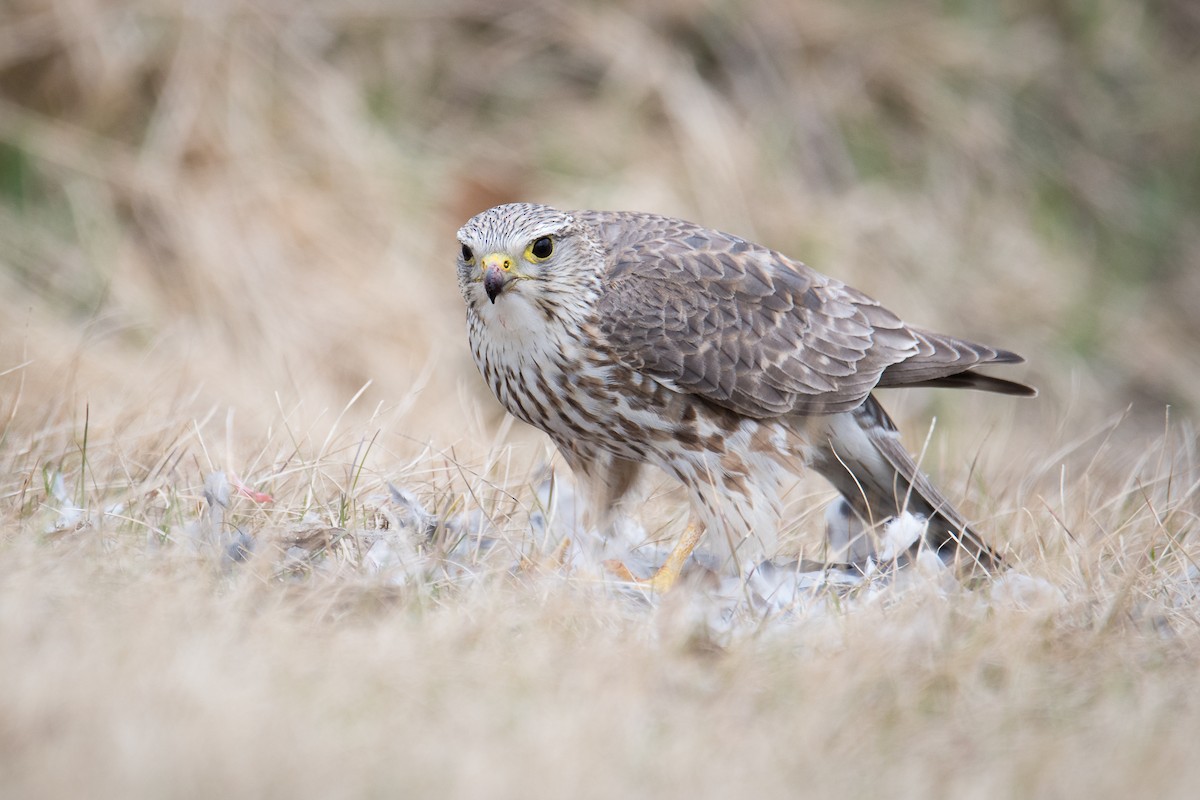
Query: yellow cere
{"type": "Point", "coordinates": [497, 260]}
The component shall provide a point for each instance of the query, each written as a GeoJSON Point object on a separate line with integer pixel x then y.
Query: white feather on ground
{"type": "Point", "coordinates": [405, 544]}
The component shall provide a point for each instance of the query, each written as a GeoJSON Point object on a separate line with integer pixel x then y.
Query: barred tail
{"type": "Point", "coordinates": [861, 455]}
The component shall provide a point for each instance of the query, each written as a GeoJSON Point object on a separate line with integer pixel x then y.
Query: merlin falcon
{"type": "Point", "coordinates": [633, 339]}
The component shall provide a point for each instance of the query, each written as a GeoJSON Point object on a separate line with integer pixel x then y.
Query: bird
{"type": "Point", "coordinates": [635, 340]}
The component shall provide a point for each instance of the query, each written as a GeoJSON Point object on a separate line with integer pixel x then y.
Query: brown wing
{"type": "Point", "coordinates": [751, 330]}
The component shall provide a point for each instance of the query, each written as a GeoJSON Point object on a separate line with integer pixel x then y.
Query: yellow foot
{"type": "Point", "coordinates": [668, 574]}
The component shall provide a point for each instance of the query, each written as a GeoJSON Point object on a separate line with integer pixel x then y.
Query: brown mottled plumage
{"type": "Point", "coordinates": [636, 339]}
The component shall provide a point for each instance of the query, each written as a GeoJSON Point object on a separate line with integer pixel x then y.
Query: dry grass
{"type": "Point", "coordinates": [226, 235]}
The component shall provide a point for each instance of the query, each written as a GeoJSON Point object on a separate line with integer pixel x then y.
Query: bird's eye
{"type": "Point", "coordinates": [541, 248]}
{"type": "Point", "coordinates": [467, 255]}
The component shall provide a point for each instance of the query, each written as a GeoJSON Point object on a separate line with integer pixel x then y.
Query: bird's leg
{"type": "Point", "coordinates": [668, 574]}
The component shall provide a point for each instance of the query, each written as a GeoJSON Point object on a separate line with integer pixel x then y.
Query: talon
{"type": "Point", "coordinates": [668, 574]}
{"type": "Point", "coordinates": [618, 568]}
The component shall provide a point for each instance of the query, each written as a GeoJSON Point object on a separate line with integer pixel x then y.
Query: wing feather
{"type": "Point", "coordinates": [751, 330]}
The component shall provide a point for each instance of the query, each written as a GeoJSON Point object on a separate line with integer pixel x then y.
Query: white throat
{"type": "Point", "coordinates": [516, 332]}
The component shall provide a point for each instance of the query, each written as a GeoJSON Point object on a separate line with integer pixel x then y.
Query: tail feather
{"type": "Point", "coordinates": [976, 380]}
{"type": "Point", "coordinates": [946, 361]}
{"type": "Point", "coordinates": [864, 458]}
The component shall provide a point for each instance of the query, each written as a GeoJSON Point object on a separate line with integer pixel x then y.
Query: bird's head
{"type": "Point", "coordinates": [522, 253]}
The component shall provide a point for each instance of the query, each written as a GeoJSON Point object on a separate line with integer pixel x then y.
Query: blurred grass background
{"type": "Point", "coordinates": [259, 197]}
{"type": "Point", "coordinates": [220, 221]}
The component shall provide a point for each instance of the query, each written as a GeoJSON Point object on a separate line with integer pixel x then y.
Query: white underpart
{"type": "Point", "coordinates": [741, 528]}
{"type": "Point", "coordinates": [515, 334]}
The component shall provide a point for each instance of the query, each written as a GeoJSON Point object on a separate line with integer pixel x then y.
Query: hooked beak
{"type": "Point", "coordinates": [497, 273]}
